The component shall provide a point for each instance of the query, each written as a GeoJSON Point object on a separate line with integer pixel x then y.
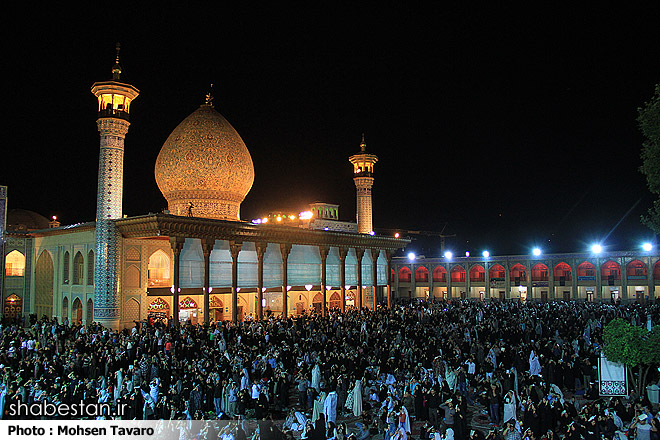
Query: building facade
{"type": "Point", "coordinates": [196, 261]}
{"type": "Point", "coordinates": [625, 276]}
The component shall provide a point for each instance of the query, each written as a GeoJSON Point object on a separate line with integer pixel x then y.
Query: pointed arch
{"type": "Point", "coordinates": [159, 269]}
{"type": "Point", "coordinates": [610, 271]}
{"type": "Point", "coordinates": [66, 263]}
{"type": "Point", "coordinates": [518, 272]}
{"type": "Point", "coordinates": [477, 274]}
{"type": "Point", "coordinates": [76, 311]}
{"type": "Point", "coordinates": [44, 277]}
{"type": "Point", "coordinates": [457, 274]}
{"type": "Point", "coordinates": [335, 301]}
{"type": "Point", "coordinates": [132, 277]}
{"type": "Point", "coordinates": [540, 272]}
{"type": "Point", "coordinates": [439, 274]}
{"type": "Point", "coordinates": [563, 272]}
{"type": "Point", "coordinates": [422, 274]}
{"type": "Point", "coordinates": [636, 269]}
{"type": "Point", "coordinates": [405, 275]}
{"type": "Point", "coordinates": [497, 272]}
{"type": "Point", "coordinates": [131, 310]}
{"type": "Point", "coordinates": [14, 264]}
{"type": "Point", "coordinates": [586, 269]}
{"type": "Point", "coordinates": [78, 268]}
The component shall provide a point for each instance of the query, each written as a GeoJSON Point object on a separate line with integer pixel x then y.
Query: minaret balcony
{"type": "Point", "coordinates": [363, 174]}
{"type": "Point", "coordinates": [113, 113]}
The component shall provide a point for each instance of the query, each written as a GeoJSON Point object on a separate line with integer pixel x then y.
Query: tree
{"type": "Point", "coordinates": [632, 346]}
{"type": "Point", "coordinates": [648, 118]}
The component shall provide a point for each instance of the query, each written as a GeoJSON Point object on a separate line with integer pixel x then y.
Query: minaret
{"type": "Point", "coordinates": [114, 99]}
{"type": "Point", "coordinates": [363, 168]}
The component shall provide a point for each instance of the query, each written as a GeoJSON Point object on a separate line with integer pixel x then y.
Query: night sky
{"type": "Point", "coordinates": [508, 126]}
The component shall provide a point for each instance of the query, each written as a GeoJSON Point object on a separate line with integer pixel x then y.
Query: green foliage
{"type": "Point", "coordinates": [631, 345]}
{"type": "Point", "coordinates": [648, 119]}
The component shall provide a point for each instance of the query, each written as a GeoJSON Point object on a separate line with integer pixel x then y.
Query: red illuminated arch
{"type": "Point", "coordinates": [404, 275]}
{"type": "Point", "coordinates": [563, 271]}
{"type": "Point", "coordinates": [610, 270]}
{"type": "Point", "coordinates": [497, 272]}
{"type": "Point", "coordinates": [457, 274]}
{"type": "Point", "coordinates": [477, 274]}
{"type": "Point", "coordinates": [656, 270]}
{"type": "Point", "coordinates": [586, 269]}
{"type": "Point", "coordinates": [518, 271]}
{"type": "Point", "coordinates": [636, 268]}
{"type": "Point", "coordinates": [440, 274]}
{"type": "Point", "coordinates": [422, 274]}
{"type": "Point", "coordinates": [540, 272]}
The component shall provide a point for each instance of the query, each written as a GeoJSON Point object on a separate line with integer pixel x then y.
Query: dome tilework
{"type": "Point", "coordinates": [205, 162]}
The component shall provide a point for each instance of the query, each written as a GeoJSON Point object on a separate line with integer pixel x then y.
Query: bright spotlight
{"type": "Point", "coordinates": [536, 252]}
{"type": "Point", "coordinates": [486, 254]}
{"type": "Point", "coordinates": [647, 247]}
{"type": "Point", "coordinates": [448, 255]}
{"type": "Point", "coordinates": [467, 253]}
{"type": "Point", "coordinates": [596, 248]}
{"type": "Point", "coordinates": [411, 256]}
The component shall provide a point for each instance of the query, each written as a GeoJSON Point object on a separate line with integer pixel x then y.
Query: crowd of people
{"type": "Point", "coordinates": [426, 370]}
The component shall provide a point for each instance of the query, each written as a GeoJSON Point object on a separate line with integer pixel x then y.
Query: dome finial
{"type": "Point", "coordinates": [209, 97]}
{"type": "Point", "coordinates": [116, 69]}
{"type": "Point", "coordinates": [363, 144]}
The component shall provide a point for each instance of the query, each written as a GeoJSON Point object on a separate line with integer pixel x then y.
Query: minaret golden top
{"type": "Point", "coordinates": [116, 69]}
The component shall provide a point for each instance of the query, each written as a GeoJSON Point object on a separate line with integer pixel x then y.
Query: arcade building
{"type": "Point", "coordinates": [603, 276]}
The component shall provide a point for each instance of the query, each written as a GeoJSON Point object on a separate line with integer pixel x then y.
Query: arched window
{"type": "Point", "coordinates": [76, 311]}
{"type": "Point", "coordinates": [440, 274]}
{"type": "Point", "coordinates": [422, 274]}
{"type": "Point", "coordinates": [159, 269]}
{"type": "Point", "coordinates": [586, 269]}
{"type": "Point", "coordinates": [404, 275]}
{"type": "Point", "coordinates": [15, 264]}
{"type": "Point", "coordinates": [90, 268]}
{"type": "Point", "coordinates": [610, 271]}
{"type": "Point", "coordinates": [518, 273]}
{"type": "Point", "coordinates": [477, 274]}
{"type": "Point", "coordinates": [457, 274]}
{"type": "Point", "coordinates": [65, 267]}
{"type": "Point", "coordinates": [540, 272]}
{"type": "Point", "coordinates": [563, 272]}
{"type": "Point", "coordinates": [636, 270]}
{"type": "Point", "coordinates": [78, 268]}
{"type": "Point", "coordinates": [656, 270]}
{"type": "Point", "coordinates": [335, 301]}
{"type": "Point", "coordinates": [497, 273]}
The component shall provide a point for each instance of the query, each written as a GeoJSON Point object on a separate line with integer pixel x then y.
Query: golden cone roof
{"type": "Point", "coordinates": [205, 162]}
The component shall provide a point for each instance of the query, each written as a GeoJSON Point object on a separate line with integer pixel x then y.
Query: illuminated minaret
{"type": "Point", "coordinates": [363, 168]}
{"type": "Point", "coordinates": [114, 103]}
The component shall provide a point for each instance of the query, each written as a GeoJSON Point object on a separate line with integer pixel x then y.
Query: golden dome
{"type": "Point", "coordinates": [204, 162]}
